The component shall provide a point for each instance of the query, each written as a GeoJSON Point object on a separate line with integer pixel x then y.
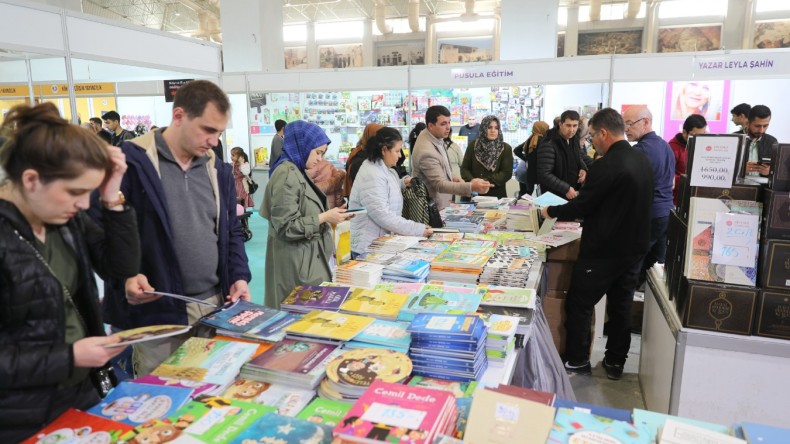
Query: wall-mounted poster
{"type": "Point", "coordinates": [296, 57]}
{"type": "Point", "coordinates": [465, 50]}
{"type": "Point", "coordinates": [340, 56]}
{"type": "Point", "coordinates": [710, 98]}
{"type": "Point", "coordinates": [774, 34]}
{"type": "Point", "coordinates": [689, 38]}
{"type": "Point", "coordinates": [400, 54]}
{"type": "Point", "coordinates": [610, 42]}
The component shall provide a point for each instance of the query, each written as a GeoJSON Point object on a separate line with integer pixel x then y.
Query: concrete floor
{"type": "Point", "coordinates": [599, 390]}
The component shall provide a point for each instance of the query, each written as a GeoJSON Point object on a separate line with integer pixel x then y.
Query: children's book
{"type": "Point", "coordinates": [74, 426]}
{"type": "Point", "coordinates": [329, 325]}
{"type": "Point", "coordinates": [361, 367]}
{"type": "Point", "coordinates": [206, 360]}
{"type": "Point", "coordinates": [607, 412]}
{"type": "Point", "coordinates": [441, 299]}
{"type": "Point", "coordinates": [397, 413]}
{"type": "Point", "coordinates": [500, 327]}
{"type": "Point", "coordinates": [526, 393]}
{"type": "Point", "coordinates": [458, 389]}
{"type": "Point", "coordinates": [764, 434]}
{"type": "Point", "coordinates": [464, 406]}
{"type": "Point", "coordinates": [468, 328]}
{"type": "Point", "coordinates": [508, 297]}
{"type": "Point", "coordinates": [386, 333]}
{"type": "Point", "coordinates": [577, 426]}
{"type": "Point", "coordinates": [287, 400]}
{"type": "Point", "coordinates": [293, 356]}
{"type": "Point", "coordinates": [262, 346]}
{"type": "Point", "coordinates": [279, 429]}
{"type": "Point", "coordinates": [677, 432]}
{"type": "Point", "coordinates": [240, 316]}
{"type": "Point", "coordinates": [306, 298]}
{"type": "Point", "coordinates": [197, 388]}
{"type": "Point", "coordinates": [376, 303]}
{"type": "Point", "coordinates": [214, 419]}
{"type": "Point", "coordinates": [148, 333]}
{"type": "Point", "coordinates": [135, 404]}
{"type": "Point", "coordinates": [653, 422]}
{"type": "Point", "coordinates": [504, 419]}
{"type": "Point", "coordinates": [325, 411]}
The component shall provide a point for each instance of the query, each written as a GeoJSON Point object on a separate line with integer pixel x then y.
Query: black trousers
{"type": "Point", "coordinates": [658, 244]}
{"type": "Point", "coordinates": [591, 280]}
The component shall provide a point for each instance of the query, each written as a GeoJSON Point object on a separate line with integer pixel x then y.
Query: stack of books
{"type": "Point", "coordinates": [462, 261]}
{"type": "Point", "coordinates": [448, 346]}
{"type": "Point", "coordinates": [327, 326]}
{"type": "Point", "coordinates": [435, 298]}
{"type": "Point", "coordinates": [349, 375]}
{"type": "Point", "coordinates": [509, 265]}
{"type": "Point", "coordinates": [378, 304]}
{"type": "Point", "coordinates": [306, 298]}
{"type": "Point", "coordinates": [298, 363]}
{"type": "Point", "coordinates": [393, 243]}
{"type": "Point", "coordinates": [397, 413]}
{"type": "Point", "coordinates": [243, 319]}
{"type": "Point", "coordinates": [466, 224]}
{"type": "Point", "coordinates": [134, 404]}
{"type": "Point", "coordinates": [509, 301]}
{"type": "Point", "coordinates": [206, 360]}
{"type": "Point", "coordinates": [522, 217]}
{"type": "Point", "coordinates": [358, 274]}
{"type": "Point", "coordinates": [406, 270]}
{"type": "Point", "coordinates": [382, 334]}
{"type": "Point", "coordinates": [501, 341]}
{"type": "Point", "coordinates": [284, 399]}
{"type": "Point", "coordinates": [208, 420]}
{"type": "Point", "coordinates": [493, 408]}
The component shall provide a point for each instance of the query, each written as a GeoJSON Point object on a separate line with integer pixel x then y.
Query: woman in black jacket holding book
{"type": "Point", "coordinates": [51, 333]}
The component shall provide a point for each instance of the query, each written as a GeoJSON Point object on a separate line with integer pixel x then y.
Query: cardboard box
{"type": "Point", "coordinates": [567, 252]}
{"type": "Point", "coordinates": [779, 178]}
{"type": "Point", "coordinates": [719, 307]}
{"type": "Point", "coordinates": [776, 215]}
{"type": "Point", "coordinates": [773, 315]}
{"type": "Point", "coordinates": [743, 190]}
{"type": "Point", "coordinates": [554, 310]}
{"type": "Point", "coordinates": [558, 275]}
{"type": "Point", "coordinates": [775, 264]}
{"type": "Point", "coordinates": [556, 294]}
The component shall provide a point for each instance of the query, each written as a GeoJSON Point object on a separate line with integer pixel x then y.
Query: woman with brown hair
{"type": "Point", "coordinates": [530, 158]}
{"type": "Point", "coordinates": [241, 171]}
{"type": "Point", "coordinates": [51, 332]}
{"type": "Point", "coordinates": [354, 160]}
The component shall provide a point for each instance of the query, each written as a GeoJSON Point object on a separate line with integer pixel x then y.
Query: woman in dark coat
{"type": "Point", "coordinates": [51, 333]}
{"type": "Point", "coordinates": [490, 158]}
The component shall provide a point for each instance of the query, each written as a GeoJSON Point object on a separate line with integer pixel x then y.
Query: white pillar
{"type": "Point", "coordinates": [252, 35]}
{"type": "Point", "coordinates": [738, 25]}
{"type": "Point", "coordinates": [572, 32]}
{"type": "Point", "coordinates": [528, 29]}
{"type": "Point", "coordinates": [368, 44]}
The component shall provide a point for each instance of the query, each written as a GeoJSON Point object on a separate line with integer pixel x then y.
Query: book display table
{"type": "Point", "coordinates": [710, 376]}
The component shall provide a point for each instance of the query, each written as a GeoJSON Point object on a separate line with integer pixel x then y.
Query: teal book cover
{"type": "Point", "coordinates": [447, 326]}
{"type": "Point", "coordinates": [276, 429]}
{"type": "Point", "coordinates": [653, 422]}
{"type": "Point", "coordinates": [215, 419]}
{"type": "Point", "coordinates": [386, 333]}
{"type": "Point", "coordinates": [577, 426]}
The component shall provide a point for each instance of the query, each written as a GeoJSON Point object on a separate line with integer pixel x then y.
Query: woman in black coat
{"type": "Point", "coordinates": [51, 333]}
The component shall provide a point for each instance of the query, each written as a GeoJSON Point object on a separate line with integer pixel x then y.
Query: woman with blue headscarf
{"type": "Point", "coordinates": [300, 247]}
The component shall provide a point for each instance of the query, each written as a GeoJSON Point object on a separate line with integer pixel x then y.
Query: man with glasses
{"type": "Point", "coordinates": [639, 129]}
{"type": "Point", "coordinates": [615, 204]}
{"type": "Point", "coordinates": [561, 168]}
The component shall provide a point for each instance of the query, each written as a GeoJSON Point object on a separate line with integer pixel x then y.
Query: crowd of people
{"type": "Point", "coordinates": [62, 220]}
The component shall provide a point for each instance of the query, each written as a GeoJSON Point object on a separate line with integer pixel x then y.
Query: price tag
{"type": "Point", "coordinates": [735, 239]}
{"type": "Point", "coordinates": [714, 162]}
{"type": "Point", "coordinates": [393, 415]}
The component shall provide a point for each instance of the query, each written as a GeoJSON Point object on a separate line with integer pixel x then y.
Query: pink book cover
{"type": "Point", "coordinates": [198, 388]}
{"type": "Point", "coordinates": [394, 413]}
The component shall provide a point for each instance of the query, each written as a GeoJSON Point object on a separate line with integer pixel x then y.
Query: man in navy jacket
{"type": "Point", "coordinates": [192, 242]}
{"type": "Point", "coordinates": [615, 204]}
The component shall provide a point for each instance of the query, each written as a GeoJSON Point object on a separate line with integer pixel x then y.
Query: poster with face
{"type": "Point", "coordinates": [710, 98]}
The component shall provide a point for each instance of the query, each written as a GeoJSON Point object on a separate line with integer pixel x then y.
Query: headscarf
{"type": "Point", "coordinates": [299, 139]}
{"type": "Point", "coordinates": [487, 151]}
{"type": "Point", "coordinates": [539, 129]}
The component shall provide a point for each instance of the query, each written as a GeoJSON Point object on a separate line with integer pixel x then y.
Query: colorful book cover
{"type": "Point", "coordinates": [441, 299]}
{"type": "Point", "coordinates": [327, 324]}
{"type": "Point", "coordinates": [287, 400]}
{"type": "Point", "coordinates": [197, 388]}
{"type": "Point", "coordinates": [526, 393]}
{"type": "Point", "coordinates": [206, 360]}
{"type": "Point", "coordinates": [607, 412]}
{"type": "Point", "coordinates": [499, 418]}
{"type": "Point", "coordinates": [325, 411]}
{"type": "Point", "coordinates": [508, 297]}
{"type": "Point", "coordinates": [293, 356]}
{"type": "Point", "coordinates": [577, 426]}
{"type": "Point", "coordinates": [400, 287]}
{"type": "Point", "coordinates": [262, 346]}
{"type": "Point", "coordinates": [395, 413]}
{"type": "Point", "coordinates": [500, 326]}
{"type": "Point", "coordinates": [386, 333]}
{"type": "Point", "coordinates": [374, 303]}
{"type": "Point", "coordinates": [447, 326]}
{"type": "Point", "coordinates": [458, 389]}
{"type": "Point", "coordinates": [314, 297]}
{"type": "Point", "coordinates": [272, 331]}
{"type": "Point", "coordinates": [361, 367]}
{"type": "Point", "coordinates": [677, 432]}
{"type": "Point", "coordinates": [461, 260]}
{"type": "Point", "coordinates": [240, 316]}
{"type": "Point", "coordinates": [135, 404]}
{"type": "Point", "coordinates": [74, 426]}
{"type": "Point", "coordinates": [215, 419]}
{"type": "Point", "coordinates": [148, 333]}
{"type": "Point", "coordinates": [464, 406]}
{"type": "Point", "coordinates": [653, 422]}
{"type": "Point", "coordinates": [765, 434]}
{"type": "Point", "coordinates": [278, 429]}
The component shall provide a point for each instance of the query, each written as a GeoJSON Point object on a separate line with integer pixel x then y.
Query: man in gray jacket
{"type": "Point", "coordinates": [431, 164]}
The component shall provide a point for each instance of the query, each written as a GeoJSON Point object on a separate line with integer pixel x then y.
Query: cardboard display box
{"type": "Point", "coordinates": [775, 265]}
{"type": "Point", "coordinates": [719, 307]}
{"type": "Point", "coordinates": [567, 252]}
{"type": "Point", "coordinates": [779, 178]}
{"type": "Point", "coordinates": [776, 215]}
{"type": "Point", "coordinates": [744, 190]}
{"type": "Point", "coordinates": [554, 309]}
{"type": "Point", "coordinates": [773, 315]}
{"type": "Point", "coordinates": [558, 275]}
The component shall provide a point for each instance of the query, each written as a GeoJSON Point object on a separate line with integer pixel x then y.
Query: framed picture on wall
{"type": "Point", "coordinates": [465, 50]}
{"type": "Point", "coordinates": [296, 57]}
{"type": "Point", "coordinates": [340, 56]}
{"type": "Point", "coordinates": [412, 53]}
{"type": "Point", "coordinates": [610, 42]}
{"type": "Point", "coordinates": [561, 44]}
{"type": "Point", "coordinates": [689, 38]}
{"type": "Point", "coordinates": [709, 98]}
{"type": "Point", "coordinates": [772, 34]}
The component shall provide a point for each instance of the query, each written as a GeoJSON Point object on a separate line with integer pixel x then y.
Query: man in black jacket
{"type": "Point", "coordinates": [615, 204]}
{"type": "Point", "coordinates": [561, 168]}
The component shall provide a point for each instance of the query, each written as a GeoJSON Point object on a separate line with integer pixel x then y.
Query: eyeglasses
{"type": "Point", "coordinates": [627, 123]}
{"type": "Point", "coordinates": [594, 133]}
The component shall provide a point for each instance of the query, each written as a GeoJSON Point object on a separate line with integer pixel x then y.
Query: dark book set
{"type": "Point", "coordinates": [718, 304]}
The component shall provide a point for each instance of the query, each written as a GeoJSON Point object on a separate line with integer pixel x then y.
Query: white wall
{"type": "Point", "coordinates": [772, 93]}
{"type": "Point", "coordinates": [641, 93]}
{"type": "Point", "coordinates": [237, 131]}
{"type": "Point", "coordinates": [528, 30]}
{"type": "Point", "coordinates": [561, 97]}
